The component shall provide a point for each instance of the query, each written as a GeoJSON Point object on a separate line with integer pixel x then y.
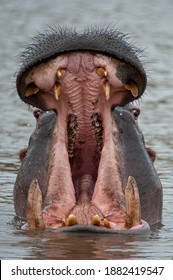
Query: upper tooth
{"type": "Point", "coordinates": [61, 72]}
{"type": "Point", "coordinates": [32, 89]}
{"type": "Point", "coordinates": [132, 87]}
{"type": "Point", "coordinates": [57, 90]}
{"type": "Point", "coordinates": [133, 208]}
{"type": "Point", "coordinates": [106, 89]}
{"type": "Point", "coordinates": [101, 71]}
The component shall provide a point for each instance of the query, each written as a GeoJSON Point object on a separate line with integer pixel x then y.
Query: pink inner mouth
{"type": "Point", "coordinates": [85, 184]}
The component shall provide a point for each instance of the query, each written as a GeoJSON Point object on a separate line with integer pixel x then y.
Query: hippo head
{"type": "Point", "coordinates": [86, 166]}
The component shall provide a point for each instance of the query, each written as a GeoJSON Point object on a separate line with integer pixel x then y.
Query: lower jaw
{"type": "Point", "coordinates": [107, 209]}
{"type": "Point", "coordinates": [84, 214]}
{"type": "Point", "coordinates": [143, 228]}
{"type": "Point", "coordinates": [92, 219]}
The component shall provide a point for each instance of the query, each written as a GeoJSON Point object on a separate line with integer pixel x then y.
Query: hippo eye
{"type": "Point", "coordinates": [36, 113]}
{"type": "Point", "coordinates": [136, 113]}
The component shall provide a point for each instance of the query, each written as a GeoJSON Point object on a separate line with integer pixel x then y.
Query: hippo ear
{"type": "Point", "coordinates": [22, 153]}
{"type": "Point", "coordinates": [152, 154]}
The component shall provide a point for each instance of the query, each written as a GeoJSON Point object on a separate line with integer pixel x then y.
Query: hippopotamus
{"type": "Point", "coordinates": [86, 167]}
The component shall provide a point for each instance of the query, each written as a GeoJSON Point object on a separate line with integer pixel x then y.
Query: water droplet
{"type": "Point", "coordinates": [121, 111]}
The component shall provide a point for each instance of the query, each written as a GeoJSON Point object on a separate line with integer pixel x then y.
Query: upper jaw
{"type": "Point", "coordinates": [42, 85]}
{"type": "Point", "coordinates": [107, 41]}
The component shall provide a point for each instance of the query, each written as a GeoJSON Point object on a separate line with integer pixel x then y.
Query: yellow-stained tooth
{"type": "Point", "coordinates": [132, 87]}
{"type": "Point", "coordinates": [72, 220]}
{"type": "Point", "coordinates": [57, 90]}
{"type": "Point", "coordinates": [106, 223]}
{"type": "Point", "coordinates": [64, 222]}
{"type": "Point", "coordinates": [34, 206]}
{"type": "Point", "coordinates": [32, 89]}
{"type": "Point", "coordinates": [96, 220]}
{"type": "Point", "coordinates": [61, 72]}
{"type": "Point", "coordinates": [133, 208]}
{"type": "Point", "coordinates": [106, 89]}
{"type": "Point", "coordinates": [101, 71]}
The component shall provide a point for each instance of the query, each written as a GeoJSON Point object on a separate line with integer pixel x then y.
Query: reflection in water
{"type": "Point", "coordinates": [52, 245]}
{"type": "Point", "coordinates": [17, 122]}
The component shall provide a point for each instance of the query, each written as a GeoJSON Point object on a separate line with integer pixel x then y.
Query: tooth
{"type": "Point", "coordinates": [64, 222]}
{"type": "Point", "coordinates": [132, 87]}
{"type": "Point", "coordinates": [106, 89]}
{"type": "Point", "coordinates": [61, 72]}
{"type": "Point", "coordinates": [106, 223]}
{"type": "Point", "coordinates": [101, 71]}
{"type": "Point", "coordinates": [96, 220]}
{"type": "Point", "coordinates": [72, 220]}
{"type": "Point", "coordinates": [32, 89]}
{"type": "Point", "coordinates": [34, 205]}
{"type": "Point", "coordinates": [133, 208]}
{"type": "Point", "coordinates": [57, 90]}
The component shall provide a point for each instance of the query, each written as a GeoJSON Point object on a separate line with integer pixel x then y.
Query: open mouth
{"type": "Point", "coordinates": [85, 178]}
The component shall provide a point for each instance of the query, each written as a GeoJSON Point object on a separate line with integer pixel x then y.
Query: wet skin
{"type": "Point", "coordinates": [86, 166]}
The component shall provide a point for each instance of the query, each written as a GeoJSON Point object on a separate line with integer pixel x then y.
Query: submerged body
{"type": "Point", "coordinates": [86, 165]}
